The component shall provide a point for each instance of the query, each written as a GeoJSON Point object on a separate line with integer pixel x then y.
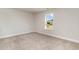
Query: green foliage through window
{"type": "Point", "coordinates": [49, 21]}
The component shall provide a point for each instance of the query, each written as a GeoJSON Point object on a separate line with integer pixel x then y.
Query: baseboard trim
{"type": "Point", "coordinates": [65, 38]}
{"type": "Point", "coordinates": [61, 37]}
{"type": "Point", "coordinates": [56, 36]}
{"type": "Point", "coordinates": [3, 37]}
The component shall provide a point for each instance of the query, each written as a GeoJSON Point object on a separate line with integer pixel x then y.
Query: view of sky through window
{"type": "Point", "coordinates": [49, 21]}
{"type": "Point", "coordinates": [50, 17]}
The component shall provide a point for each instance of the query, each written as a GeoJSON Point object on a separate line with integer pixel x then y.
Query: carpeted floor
{"type": "Point", "coordinates": [35, 41]}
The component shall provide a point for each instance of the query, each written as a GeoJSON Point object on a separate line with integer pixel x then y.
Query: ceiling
{"type": "Point", "coordinates": [33, 10]}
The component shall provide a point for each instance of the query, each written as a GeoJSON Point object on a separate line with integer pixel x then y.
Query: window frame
{"type": "Point", "coordinates": [46, 21]}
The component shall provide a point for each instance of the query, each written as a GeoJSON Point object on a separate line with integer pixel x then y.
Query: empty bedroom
{"type": "Point", "coordinates": [39, 28]}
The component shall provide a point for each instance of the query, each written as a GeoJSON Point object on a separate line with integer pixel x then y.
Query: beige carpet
{"type": "Point", "coordinates": [35, 41]}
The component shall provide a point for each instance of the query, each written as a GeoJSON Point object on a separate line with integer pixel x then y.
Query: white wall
{"type": "Point", "coordinates": [14, 22]}
{"type": "Point", "coordinates": [66, 23]}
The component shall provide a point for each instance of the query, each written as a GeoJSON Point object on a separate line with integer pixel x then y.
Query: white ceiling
{"type": "Point", "coordinates": [33, 10]}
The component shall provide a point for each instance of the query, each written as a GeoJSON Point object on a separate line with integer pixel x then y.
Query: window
{"type": "Point", "coordinates": [49, 21]}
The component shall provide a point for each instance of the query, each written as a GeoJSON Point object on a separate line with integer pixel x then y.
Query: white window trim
{"type": "Point", "coordinates": [46, 21]}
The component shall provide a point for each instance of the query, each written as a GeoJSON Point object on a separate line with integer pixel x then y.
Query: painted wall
{"type": "Point", "coordinates": [66, 23]}
{"type": "Point", "coordinates": [13, 22]}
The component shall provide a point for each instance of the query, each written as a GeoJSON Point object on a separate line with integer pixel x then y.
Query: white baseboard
{"type": "Point", "coordinates": [2, 37]}
{"type": "Point", "coordinates": [57, 36]}
{"type": "Point", "coordinates": [65, 38]}
{"type": "Point", "coordinates": [61, 37]}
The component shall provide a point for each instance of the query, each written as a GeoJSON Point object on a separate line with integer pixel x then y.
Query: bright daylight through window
{"type": "Point", "coordinates": [49, 21]}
